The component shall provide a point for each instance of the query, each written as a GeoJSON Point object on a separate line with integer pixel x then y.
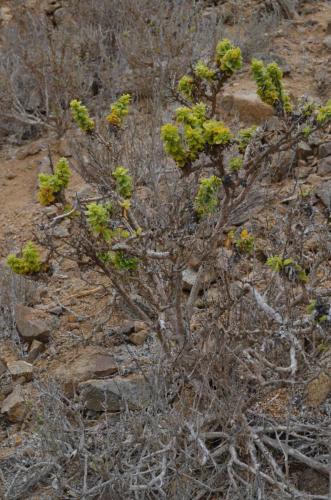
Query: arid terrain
{"type": "Point", "coordinates": [67, 337]}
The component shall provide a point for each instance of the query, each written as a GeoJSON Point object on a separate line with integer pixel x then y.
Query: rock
{"type": "Point", "coordinates": [327, 42]}
{"type": "Point", "coordinates": [302, 171]}
{"type": "Point", "coordinates": [189, 277]}
{"type": "Point", "coordinates": [248, 106]}
{"type": "Point", "coordinates": [3, 366]}
{"type": "Point", "coordinates": [61, 231]}
{"type": "Point", "coordinates": [5, 15]}
{"type": "Point", "coordinates": [318, 390]}
{"type": "Point", "coordinates": [30, 150]}
{"type": "Point", "coordinates": [323, 192]}
{"type": "Point", "coordinates": [139, 337]}
{"type": "Point", "coordinates": [324, 150]}
{"type": "Point", "coordinates": [303, 150]}
{"type": "Point", "coordinates": [324, 166]}
{"type": "Point", "coordinates": [89, 364]}
{"type": "Point", "coordinates": [116, 393]}
{"type": "Point", "coordinates": [328, 28]}
{"type": "Point", "coordinates": [36, 348]}
{"type": "Point", "coordinates": [14, 406]}
{"type": "Point", "coordinates": [30, 325]}
{"type": "Point", "coordinates": [139, 325]}
{"type": "Point", "coordinates": [21, 370]}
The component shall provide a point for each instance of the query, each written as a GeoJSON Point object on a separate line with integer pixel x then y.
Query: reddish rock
{"type": "Point", "coordinates": [138, 338]}
{"type": "Point", "coordinates": [21, 370]}
{"type": "Point", "coordinates": [248, 106]}
{"type": "Point", "coordinates": [30, 324]}
{"type": "Point", "coordinates": [14, 406]}
{"type": "Point", "coordinates": [89, 364]}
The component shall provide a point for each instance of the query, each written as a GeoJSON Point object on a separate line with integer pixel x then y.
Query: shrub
{"type": "Point", "coordinates": [142, 232]}
{"type": "Point", "coordinates": [29, 263]}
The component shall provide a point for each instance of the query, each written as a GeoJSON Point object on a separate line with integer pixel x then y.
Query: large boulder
{"type": "Point", "coordinates": [30, 324]}
{"type": "Point", "coordinates": [247, 106]}
{"type": "Point", "coordinates": [92, 363]}
{"type": "Point", "coordinates": [116, 394]}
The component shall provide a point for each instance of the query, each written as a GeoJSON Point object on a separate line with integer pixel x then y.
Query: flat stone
{"type": "Point", "coordinates": [115, 394]}
{"type": "Point", "coordinates": [21, 370]}
{"type": "Point", "coordinates": [324, 150]}
{"type": "Point", "coordinates": [30, 150]}
{"type": "Point", "coordinates": [249, 107]}
{"type": "Point", "coordinates": [324, 166]}
{"type": "Point", "coordinates": [138, 338]}
{"type": "Point", "coordinates": [30, 325]}
{"type": "Point", "coordinates": [14, 406]}
{"type": "Point", "coordinates": [89, 364]}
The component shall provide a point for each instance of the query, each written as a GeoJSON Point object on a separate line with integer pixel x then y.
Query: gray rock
{"type": "Point", "coordinates": [327, 42]}
{"type": "Point", "coordinates": [30, 325]}
{"type": "Point", "coordinates": [324, 166]}
{"type": "Point", "coordinates": [115, 394]}
{"type": "Point", "coordinates": [324, 150]}
{"type": "Point", "coordinates": [323, 192]}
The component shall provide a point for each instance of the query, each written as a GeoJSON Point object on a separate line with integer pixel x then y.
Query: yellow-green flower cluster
{"type": "Point", "coordinates": [245, 243]}
{"type": "Point", "coordinates": [186, 86]}
{"type": "Point", "coordinates": [324, 113]}
{"type": "Point", "coordinates": [124, 182]}
{"type": "Point", "coordinates": [206, 201]}
{"type": "Point", "coordinates": [235, 163]}
{"type": "Point", "coordinates": [51, 185]}
{"type": "Point", "coordinates": [244, 137]}
{"type": "Point", "coordinates": [201, 70]}
{"type": "Point", "coordinates": [119, 110]}
{"type": "Point", "coordinates": [29, 263]}
{"type": "Point", "coordinates": [185, 140]}
{"type": "Point", "coordinates": [98, 220]}
{"type": "Point", "coordinates": [81, 116]}
{"type": "Point", "coordinates": [269, 84]}
{"type": "Point", "coordinates": [278, 264]}
{"type": "Point", "coordinates": [228, 57]}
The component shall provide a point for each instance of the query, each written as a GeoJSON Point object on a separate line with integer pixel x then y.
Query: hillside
{"type": "Point", "coordinates": [162, 353]}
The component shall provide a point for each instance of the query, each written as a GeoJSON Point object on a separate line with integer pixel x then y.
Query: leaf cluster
{"type": "Point", "coordinates": [28, 263]}
{"type": "Point", "coordinates": [81, 116]}
{"type": "Point", "coordinates": [119, 110]}
{"type": "Point", "coordinates": [51, 185]}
